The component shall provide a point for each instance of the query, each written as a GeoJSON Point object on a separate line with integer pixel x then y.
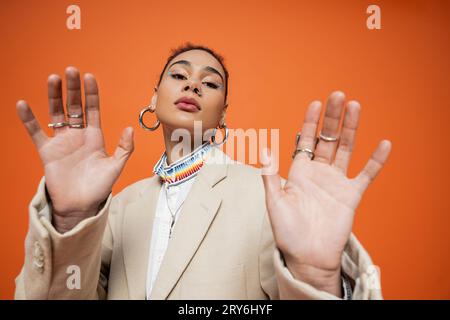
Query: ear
{"type": "Point", "coordinates": [154, 99]}
{"type": "Point", "coordinates": [224, 112]}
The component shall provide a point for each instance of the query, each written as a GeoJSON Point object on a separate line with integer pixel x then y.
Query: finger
{"type": "Point", "coordinates": [325, 149]}
{"type": "Point", "coordinates": [91, 102]}
{"type": "Point", "coordinates": [347, 137]}
{"type": "Point", "coordinates": [309, 130]}
{"type": "Point", "coordinates": [31, 124]}
{"type": "Point", "coordinates": [125, 147]}
{"type": "Point", "coordinates": [271, 179]}
{"type": "Point", "coordinates": [56, 103]}
{"type": "Point", "coordinates": [74, 105]}
{"type": "Point", "coordinates": [374, 165]}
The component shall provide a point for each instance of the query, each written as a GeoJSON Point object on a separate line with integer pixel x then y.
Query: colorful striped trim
{"type": "Point", "coordinates": [183, 169]}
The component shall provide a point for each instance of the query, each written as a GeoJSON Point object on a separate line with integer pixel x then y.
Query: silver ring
{"type": "Point", "coordinates": [57, 124]}
{"type": "Point", "coordinates": [326, 138]}
{"type": "Point", "coordinates": [307, 150]}
{"type": "Point", "coordinates": [77, 125]}
{"type": "Point", "coordinates": [76, 116]}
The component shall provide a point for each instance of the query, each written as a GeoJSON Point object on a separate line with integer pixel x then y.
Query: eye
{"type": "Point", "coordinates": [177, 76]}
{"type": "Point", "coordinates": [212, 85]}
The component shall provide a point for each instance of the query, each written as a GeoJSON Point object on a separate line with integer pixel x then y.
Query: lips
{"type": "Point", "coordinates": [188, 104]}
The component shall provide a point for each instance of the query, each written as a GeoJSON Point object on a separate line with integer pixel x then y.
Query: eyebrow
{"type": "Point", "coordinates": [207, 68]}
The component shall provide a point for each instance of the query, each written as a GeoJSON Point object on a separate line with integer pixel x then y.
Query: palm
{"type": "Point", "coordinates": [79, 173]}
{"type": "Point", "coordinates": [320, 202]}
{"type": "Point", "coordinates": [78, 158]}
{"type": "Point", "coordinates": [312, 214]}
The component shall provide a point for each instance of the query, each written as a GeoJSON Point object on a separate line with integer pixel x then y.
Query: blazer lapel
{"type": "Point", "coordinates": [197, 214]}
{"type": "Point", "coordinates": [137, 234]}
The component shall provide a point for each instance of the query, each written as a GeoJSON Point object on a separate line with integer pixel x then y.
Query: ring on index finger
{"type": "Point", "coordinates": [57, 124]}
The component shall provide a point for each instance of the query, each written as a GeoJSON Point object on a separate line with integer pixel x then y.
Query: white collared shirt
{"type": "Point", "coordinates": [178, 179]}
{"type": "Point", "coordinates": [173, 196]}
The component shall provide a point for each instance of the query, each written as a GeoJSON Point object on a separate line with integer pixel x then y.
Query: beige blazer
{"type": "Point", "coordinates": [222, 246]}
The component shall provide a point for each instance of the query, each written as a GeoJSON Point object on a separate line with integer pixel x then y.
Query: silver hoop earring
{"type": "Point", "coordinates": [141, 122]}
{"type": "Point", "coordinates": [213, 137]}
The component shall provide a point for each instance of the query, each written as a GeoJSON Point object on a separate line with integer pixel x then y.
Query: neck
{"type": "Point", "coordinates": [176, 149]}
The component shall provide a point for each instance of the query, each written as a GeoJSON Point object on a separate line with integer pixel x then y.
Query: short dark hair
{"type": "Point", "coordinates": [189, 46]}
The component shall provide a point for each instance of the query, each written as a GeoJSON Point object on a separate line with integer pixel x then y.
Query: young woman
{"type": "Point", "coordinates": [203, 226]}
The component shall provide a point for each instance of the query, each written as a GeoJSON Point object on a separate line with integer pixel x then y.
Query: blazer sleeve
{"type": "Point", "coordinates": [356, 264]}
{"type": "Point", "coordinates": [278, 282]}
{"type": "Point", "coordinates": [73, 265]}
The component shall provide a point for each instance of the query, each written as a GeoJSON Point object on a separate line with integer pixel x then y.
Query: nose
{"type": "Point", "coordinates": [194, 86]}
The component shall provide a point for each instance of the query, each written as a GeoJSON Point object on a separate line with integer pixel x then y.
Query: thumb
{"type": "Point", "coordinates": [125, 147]}
{"type": "Point", "coordinates": [271, 179]}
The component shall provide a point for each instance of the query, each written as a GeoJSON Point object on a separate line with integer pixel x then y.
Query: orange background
{"type": "Point", "coordinates": [281, 55]}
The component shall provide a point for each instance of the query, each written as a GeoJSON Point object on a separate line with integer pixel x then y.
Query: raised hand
{"type": "Point", "coordinates": [79, 173]}
{"type": "Point", "coordinates": [312, 214]}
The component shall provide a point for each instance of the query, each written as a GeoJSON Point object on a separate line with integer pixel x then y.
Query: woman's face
{"type": "Point", "coordinates": [194, 75]}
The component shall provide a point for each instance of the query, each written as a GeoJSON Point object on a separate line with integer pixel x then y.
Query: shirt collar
{"type": "Point", "coordinates": [184, 168]}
